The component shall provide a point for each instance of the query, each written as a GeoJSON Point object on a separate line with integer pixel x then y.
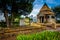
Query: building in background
{"type": "Point", "coordinates": [46, 15]}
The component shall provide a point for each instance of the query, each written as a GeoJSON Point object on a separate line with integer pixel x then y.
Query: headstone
{"type": "Point", "coordinates": [34, 19]}
{"type": "Point", "coordinates": [21, 22]}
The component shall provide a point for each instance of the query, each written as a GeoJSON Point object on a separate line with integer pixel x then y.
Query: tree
{"type": "Point", "coordinates": [3, 6]}
{"type": "Point", "coordinates": [56, 9]}
{"type": "Point", "coordinates": [19, 7]}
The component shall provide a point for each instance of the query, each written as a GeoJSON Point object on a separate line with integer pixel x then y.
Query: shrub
{"type": "Point", "coordinates": [2, 24]}
{"type": "Point", "coordinates": [57, 21]}
{"type": "Point", "coordinates": [45, 35]}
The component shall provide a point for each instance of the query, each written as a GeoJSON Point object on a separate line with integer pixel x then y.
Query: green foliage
{"type": "Point", "coordinates": [57, 21]}
{"type": "Point", "coordinates": [45, 35]}
{"type": "Point", "coordinates": [2, 24]}
{"type": "Point", "coordinates": [56, 9]}
{"type": "Point", "coordinates": [15, 24]}
{"type": "Point", "coordinates": [17, 8]}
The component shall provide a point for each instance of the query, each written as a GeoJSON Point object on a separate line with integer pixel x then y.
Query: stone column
{"type": "Point", "coordinates": [40, 19]}
{"type": "Point", "coordinates": [50, 18]}
{"type": "Point", "coordinates": [44, 19]}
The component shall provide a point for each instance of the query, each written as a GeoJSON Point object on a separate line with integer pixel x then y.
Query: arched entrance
{"type": "Point", "coordinates": [41, 19]}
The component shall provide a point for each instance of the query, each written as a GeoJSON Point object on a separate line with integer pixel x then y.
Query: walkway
{"type": "Point", "coordinates": [10, 34]}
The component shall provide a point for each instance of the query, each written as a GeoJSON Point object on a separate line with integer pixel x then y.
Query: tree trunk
{"type": "Point", "coordinates": [12, 16]}
{"type": "Point", "coordinates": [6, 18]}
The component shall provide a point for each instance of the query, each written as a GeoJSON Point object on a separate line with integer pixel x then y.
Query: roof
{"type": "Point", "coordinates": [45, 10]}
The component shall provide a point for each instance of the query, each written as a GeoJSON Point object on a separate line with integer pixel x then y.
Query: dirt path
{"type": "Point", "coordinates": [49, 28]}
{"type": "Point", "coordinates": [12, 35]}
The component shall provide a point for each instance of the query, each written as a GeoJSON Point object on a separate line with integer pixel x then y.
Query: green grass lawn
{"type": "Point", "coordinates": [45, 35]}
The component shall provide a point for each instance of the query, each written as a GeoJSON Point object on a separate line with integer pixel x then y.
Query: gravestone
{"type": "Point", "coordinates": [21, 22]}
